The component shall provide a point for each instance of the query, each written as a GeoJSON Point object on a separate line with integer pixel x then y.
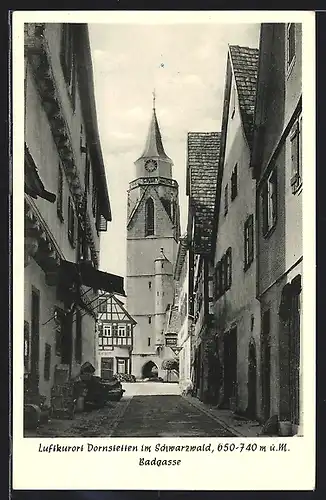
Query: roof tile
{"type": "Point", "coordinates": [203, 158]}
{"type": "Point", "coordinates": [245, 66]}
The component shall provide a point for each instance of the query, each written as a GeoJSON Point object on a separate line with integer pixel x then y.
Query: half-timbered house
{"type": "Point", "coordinates": [114, 337]}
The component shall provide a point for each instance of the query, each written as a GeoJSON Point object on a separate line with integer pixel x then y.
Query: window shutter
{"type": "Point", "coordinates": [60, 194]}
{"type": "Point", "coordinates": [264, 206]}
{"type": "Point", "coordinates": [102, 223]}
{"type": "Point", "coordinates": [246, 243]}
{"type": "Point", "coordinates": [295, 153]}
{"type": "Point", "coordinates": [72, 224]}
{"type": "Point", "coordinates": [273, 198]}
{"type": "Point", "coordinates": [251, 239]}
{"type": "Point", "coordinates": [229, 268]}
{"type": "Point", "coordinates": [226, 200]}
{"type": "Point", "coordinates": [234, 183]}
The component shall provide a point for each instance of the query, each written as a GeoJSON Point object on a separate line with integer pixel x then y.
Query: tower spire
{"type": "Point", "coordinates": [154, 146]}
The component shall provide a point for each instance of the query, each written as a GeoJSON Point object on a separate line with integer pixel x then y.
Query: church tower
{"type": "Point", "coordinates": [153, 230]}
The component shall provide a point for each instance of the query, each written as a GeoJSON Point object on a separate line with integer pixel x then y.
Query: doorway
{"type": "Point", "coordinates": [149, 370]}
{"type": "Point", "coordinates": [107, 368]}
{"type": "Point", "coordinates": [266, 368]}
{"type": "Point", "coordinates": [35, 338]}
{"type": "Point", "coordinates": [294, 350]}
{"type": "Point", "coordinates": [230, 366]}
{"type": "Point", "coordinates": [252, 382]}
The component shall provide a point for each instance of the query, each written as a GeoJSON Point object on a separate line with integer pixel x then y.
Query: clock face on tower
{"type": "Point", "coordinates": [151, 165]}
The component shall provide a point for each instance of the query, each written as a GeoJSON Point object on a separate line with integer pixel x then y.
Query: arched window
{"type": "Point", "coordinates": [149, 217]}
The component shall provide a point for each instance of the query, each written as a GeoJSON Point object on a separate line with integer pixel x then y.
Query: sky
{"type": "Point", "coordinates": [186, 66]}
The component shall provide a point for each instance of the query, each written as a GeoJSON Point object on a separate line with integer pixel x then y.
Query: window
{"type": "Point", "coordinates": [226, 199]}
{"type": "Point", "coordinates": [149, 320]}
{"type": "Point", "coordinates": [248, 242]}
{"type": "Point", "coordinates": [149, 217]}
{"type": "Point", "coordinates": [68, 60]}
{"type": "Point", "coordinates": [78, 339]}
{"type": "Point", "coordinates": [60, 194]}
{"type": "Point", "coordinates": [47, 362]}
{"type": "Point", "coordinates": [149, 341]}
{"type": "Point", "coordinates": [290, 43]}
{"type": "Point", "coordinates": [269, 203]}
{"type": "Point", "coordinates": [107, 332]}
{"type": "Point", "coordinates": [223, 274]}
{"type": "Point", "coordinates": [121, 331]}
{"type": "Point", "coordinates": [150, 285]}
{"type": "Point", "coordinates": [234, 182]}
{"type": "Point", "coordinates": [71, 224]}
{"type": "Point", "coordinates": [122, 365]}
{"type": "Point", "coordinates": [296, 155]}
{"type": "Point", "coordinates": [114, 330]}
{"type": "Point", "coordinates": [217, 281]}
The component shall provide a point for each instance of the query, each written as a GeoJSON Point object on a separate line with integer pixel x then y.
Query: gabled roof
{"type": "Point", "coordinates": [244, 62]}
{"type": "Point", "coordinates": [88, 104]}
{"type": "Point", "coordinates": [154, 146]}
{"type": "Point", "coordinates": [203, 159]}
{"type": "Point", "coordinates": [117, 308]}
{"type": "Point", "coordinates": [139, 202]}
{"type": "Point", "coordinates": [181, 255]}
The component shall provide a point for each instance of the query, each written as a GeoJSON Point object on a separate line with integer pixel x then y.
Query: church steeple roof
{"type": "Point", "coordinates": [154, 146]}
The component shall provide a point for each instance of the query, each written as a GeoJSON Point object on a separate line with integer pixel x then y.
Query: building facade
{"type": "Point", "coordinates": [66, 205]}
{"type": "Point", "coordinates": [153, 229]}
{"type": "Point", "coordinates": [236, 308]}
{"type": "Point", "coordinates": [277, 164]}
{"type": "Point", "coordinates": [114, 336]}
{"type": "Point", "coordinates": [203, 152]}
{"type": "Point", "coordinates": [184, 341]}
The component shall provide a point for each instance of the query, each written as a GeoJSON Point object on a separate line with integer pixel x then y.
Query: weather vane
{"type": "Point", "coordinates": [154, 97]}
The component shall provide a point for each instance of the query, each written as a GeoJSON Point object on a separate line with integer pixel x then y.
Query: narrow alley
{"type": "Point", "coordinates": [146, 410]}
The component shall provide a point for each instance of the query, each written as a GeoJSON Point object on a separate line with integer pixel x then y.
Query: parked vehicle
{"type": "Point", "coordinates": [100, 391]}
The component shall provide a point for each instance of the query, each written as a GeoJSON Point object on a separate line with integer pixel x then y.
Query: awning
{"type": "Point", "coordinates": [33, 183]}
{"type": "Point", "coordinates": [85, 274]}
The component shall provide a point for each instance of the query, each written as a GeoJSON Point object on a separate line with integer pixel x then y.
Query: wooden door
{"type": "Point", "coordinates": [107, 368]}
{"type": "Point", "coordinates": [266, 368]}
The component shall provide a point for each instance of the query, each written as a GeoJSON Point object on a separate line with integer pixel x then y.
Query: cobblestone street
{"type": "Point", "coordinates": [146, 410]}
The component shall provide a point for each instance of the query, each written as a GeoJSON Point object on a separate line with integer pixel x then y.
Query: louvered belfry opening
{"type": "Point", "coordinates": [149, 217]}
